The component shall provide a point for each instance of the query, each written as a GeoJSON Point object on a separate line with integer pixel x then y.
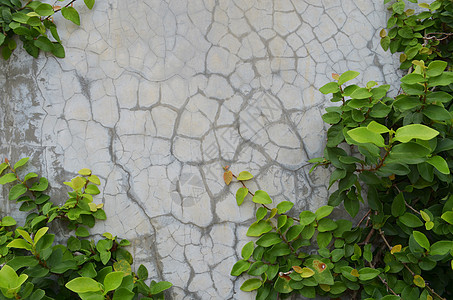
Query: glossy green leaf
{"type": "Point", "coordinates": [441, 247]}
{"type": "Point", "coordinates": [323, 212]}
{"type": "Point", "coordinates": [415, 131]}
{"type": "Point", "coordinates": [251, 284]}
{"type": "Point", "coordinates": [421, 239]}
{"type": "Point", "coordinates": [112, 281]}
{"type": "Point", "coordinates": [71, 14]}
{"type": "Point", "coordinates": [331, 87]}
{"type": "Point", "coordinates": [284, 206]}
{"type": "Point", "coordinates": [307, 217]}
{"type": "Point", "coordinates": [83, 285]}
{"type": "Point", "coordinates": [240, 195]}
{"type": "Point", "coordinates": [247, 250]}
{"type": "Point", "coordinates": [364, 135]}
{"type": "Point", "coordinates": [347, 76]}
{"type": "Point", "coordinates": [439, 163]}
{"type": "Point", "coordinates": [259, 228]}
{"type": "Point", "coordinates": [261, 197]}
{"type": "Point", "coordinates": [410, 220]}
{"type": "Point", "coordinates": [240, 267]}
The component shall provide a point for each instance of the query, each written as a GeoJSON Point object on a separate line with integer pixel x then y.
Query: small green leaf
{"type": "Point", "coordinates": [83, 285]}
{"type": "Point", "coordinates": [19, 243]}
{"type": "Point", "coordinates": [361, 93]}
{"type": "Point", "coordinates": [377, 128]}
{"type": "Point", "coordinates": [441, 248]}
{"type": "Point", "coordinates": [8, 221]}
{"type": "Point", "coordinates": [247, 250]}
{"type": "Point", "coordinates": [439, 163]}
{"type": "Point", "coordinates": [436, 68]}
{"type": "Point", "coordinates": [112, 281]}
{"type": "Point", "coordinates": [240, 195]}
{"type": "Point", "coordinates": [41, 232]}
{"type": "Point", "coordinates": [415, 131]}
{"type": "Point", "coordinates": [259, 228]}
{"type": "Point", "coordinates": [44, 10]}
{"type": "Point", "coordinates": [364, 135]}
{"type": "Point", "coordinates": [306, 217]}
{"type": "Point", "coordinates": [17, 191]}
{"type": "Point", "coordinates": [368, 273]}
{"type": "Point", "coordinates": [421, 239]}
{"type": "Point", "coordinates": [261, 197]}
{"type": "Point", "coordinates": [240, 267]}
{"type": "Point", "coordinates": [410, 220]}
{"type": "Point", "coordinates": [71, 14]}
{"type": "Point", "coordinates": [82, 232]}
{"type": "Point", "coordinates": [329, 88]}
{"type": "Point", "coordinates": [142, 272]}
{"type": "Point", "coordinates": [251, 284]}
{"type": "Point", "coordinates": [21, 162]}
{"type": "Point", "coordinates": [398, 205]}
{"type": "Point", "coordinates": [245, 175]}
{"type": "Point", "coordinates": [284, 206]}
{"type": "Point", "coordinates": [25, 235]}
{"type": "Point", "coordinates": [89, 3]}
{"type": "Point", "coordinates": [160, 286]}
{"type": "Point", "coordinates": [346, 76]}
{"type": "Point", "coordinates": [448, 217]}
{"type": "Point", "coordinates": [323, 212]}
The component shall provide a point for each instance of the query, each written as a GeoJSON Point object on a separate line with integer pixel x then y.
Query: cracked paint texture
{"type": "Point", "coordinates": [156, 96]}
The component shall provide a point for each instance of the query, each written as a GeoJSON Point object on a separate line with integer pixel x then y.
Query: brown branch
{"type": "Point", "coordinates": [364, 217]}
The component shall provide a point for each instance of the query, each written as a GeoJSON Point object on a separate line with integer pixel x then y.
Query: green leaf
{"type": "Point", "coordinates": [240, 195]}
{"type": "Point", "coordinates": [364, 135]}
{"type": "Point", "coordinates": [257, 268]}
{"type": "Point", "coordinates": [247, 250]}
{"type": "Point", "coordinates": [25, 235]}
{"type": "Point", "coordinates": [123, 294]}
{"type": "Point", "coordinates": [8, 221]}
{"type": "Point", "coordinates": [323, 212]}
{"type": "Point", "coordinates": [324, 239]}
{"type": "Point", "coordinates": [361, 93]}
{"type": "Point", "coordinates": [437, 113]}
{"type": "Point", "coordinates": [415, 131]}
{"type": "Point", "coordinates": [142, 272]}
{"type": "Point", "coordinates": [398, 205]}
{"type": "Point", "coordinates": [92, 189]}
{"type": "Point", "coordinates": [160, 286]}
{"type": "Point", "coordinates": [307, 217]}
{"type": "Point", "coordinates": [436, 68]}
{"type": "Point", "coordinates": [112, 281]}
{"type": "Point", "coordinates": [17, 191]}
{"type": "Point", "coordinates": [421, 239]}
{"type": "Point", "coordinates": [44, 10]}
{"type": "Point", "coordinates": [40, 186]}
{"type": "Point", "coordinates": [240, 267]}
{"type": "Point", "coordinates": [377, 128]}
{"type": "Point", "coordinates": [269, 239]}
{"type": "Point", "coordinates": [259, 228]}
{"type": "Point", "coordinates": [41, 232]}
{"type": "Point", "coordinates": [71, 14]}
{"type": "Point", "coordinates": [326, 225]}
{"type": "Point", "coordinates": [329, 88]}
{"type": "Point", "coordinates": [82, 232]}
{"type": "Point", "coordinates": [368, 273]}
{"type": "Point", "coordinates": [58, 50]}
{"type": "Point", "coordinates": [7, 178]}
{"type": "Point", "coordinates": [413, 78]}
{"type": "Point", "coordinates": [438, 97]}
{"type": "Point", "coordinates": [261, 197]}
{"type": "Point", "coordinates": [245, 175]}
{"type": "Point", "coordinates": [331, 117]}
{"type": "Point", "coordinates": [21, 162]}
{"type": "Point", "coordinates": [398, 7]}
{"type": "Point", "coordinates": [294, 232]}
{"type": "Point", "coordinates": [19, 243]}
{"type": "Point", "coordinates": [261, 212]}
{"type": "Point", "coordinates": [441, 248]}
{"type": "Point", "coordinates": [89, 3]}
{"type": "Point", "coordinates": [448, 217]}
{"type": "Point", "coordinates": [284, 206]}
{"type": "Point", "coordinates": [83, 285]}
{"type": "Point", "coordinates": [410, 220]}
{"type": "Point", "coordinates": [346, 76]}
{"type": "Point", "coordinates": [251, 284]}
{"type": "Point", "coordinates": [439, 163]}
{"type": "Point", "coordinates": [352, 205]}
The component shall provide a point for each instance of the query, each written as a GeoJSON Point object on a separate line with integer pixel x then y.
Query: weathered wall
{"type": "Point", "coordinates": [156, 96]}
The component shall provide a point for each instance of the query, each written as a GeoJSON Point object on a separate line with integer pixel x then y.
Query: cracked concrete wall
{"type": "Point", "coordinates": [156, 96]}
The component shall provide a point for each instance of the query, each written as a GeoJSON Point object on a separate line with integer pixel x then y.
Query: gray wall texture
{"type": "Point", "coordinates": [155, 96]}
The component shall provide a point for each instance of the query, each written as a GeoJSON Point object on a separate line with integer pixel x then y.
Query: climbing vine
{"type": "Point", "coordinates": [393, 154]}
{"type": "Point", "coordinates": [35, 267]}
{"type": "Point", "coordinates": [32, 22]}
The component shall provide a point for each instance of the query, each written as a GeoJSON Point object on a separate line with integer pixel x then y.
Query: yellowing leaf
{"type": "Point", "coordinates": [355, 273]}
{"type": "Point", "coordinates": [425, 216]}
{"type": "Point", "coordinates": [325, 287]}
{"type": "Point", "coordinates": [92, 206]}
{"type": "Point", "coordinates": [85, 172]}
{"type": "Point", "coordinates": [228, 177]}
{"type": "Point", "coordinates": [419, 281]}
{"type": "Point", "coordinates": [429, 225]}
{"type": "Point", "coordinates": [319, 266]}
{"type": "Point", "coordinates": [396, 249]}
{"type": "Point", "coordinates": [383, 33]}
{"type": "Point", "coordinates": [78, 183]}
{"type": "Point", "coordinates": [297, 269]}
{"type": "Point", "coordinates": [409, 12]}
{"type": "Point", "coordinates": [273, 213]}
{"type": "Point", "coordinates": [98, 206]}
{"type": "Point", "coordinates": [424, 5]}
{"type": "Point", "coordinates": [335, 76]}
{"type": "Point", "coordinates": [307, 272]}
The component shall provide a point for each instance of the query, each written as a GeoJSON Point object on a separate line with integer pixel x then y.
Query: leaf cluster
{"type": "Point", "coordinates": [35, 267]}
{"type": "Point", "coordinates": [32, 22]}
{"type": "Point", "coordinates": [392, 155]}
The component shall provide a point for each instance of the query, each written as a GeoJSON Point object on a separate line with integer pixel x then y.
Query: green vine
{"type": "Point", "coordinates": [402, 147]}
{"type": "Point", "coordinates": [32, 22]}
{"type": "Point", "coordinates": [34, 267]}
